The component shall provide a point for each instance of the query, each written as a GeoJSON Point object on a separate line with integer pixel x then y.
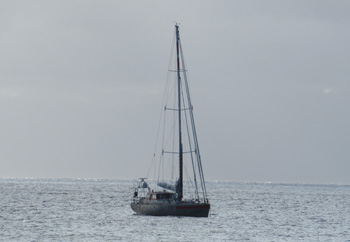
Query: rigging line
{"type": "Point", "coordinates": [189, 180]}
{"type": "Point", "coordinates": [168, 136]}
{"type": "Point", "coordinates": [168, 124]}
{"type": "Point", "coordinates": [196, 143]}
{"type": "Point", "coordinates": [163, 101]}
{"type": "Point", "coordinates": [152, 165]}
{"type": "Point", "coordinates": [200, 169]}
{"type": "Point", "coordinates": [189, 104]}
{"type": "Point", "coordinates": [172, 126]}
{"type": "Point", "coordinates": [188, 84]}
{"type": "Point", "coordinates": [173, 144]}
{"type": "Point", "coordinates": [190, 145]}
{"type": "Point", "coordinates": [167, 139]}
{"type": "Point", "coordinates": [161, 160]}
{"type": "Point", "coordinates": [199, 160]}
{"type": "Point", "coordinates": [169, 90]}
{"type": "Point", "coordinates": [170, 65]}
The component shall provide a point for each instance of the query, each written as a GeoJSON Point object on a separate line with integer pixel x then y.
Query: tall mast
{"type": "Point", "coordinates": [180, 182]}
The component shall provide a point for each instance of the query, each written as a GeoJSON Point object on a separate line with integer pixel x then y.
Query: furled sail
{"type": "Point", "coordinates": [168, 186]}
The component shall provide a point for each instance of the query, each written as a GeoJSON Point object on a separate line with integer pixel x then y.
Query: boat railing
{"type": "Point", "coordinates": [136, 199]}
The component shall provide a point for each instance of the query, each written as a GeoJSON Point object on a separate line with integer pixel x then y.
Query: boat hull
{"type": "Point", "coordinates": [190, 209]}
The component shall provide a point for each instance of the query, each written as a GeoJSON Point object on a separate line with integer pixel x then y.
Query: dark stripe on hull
{"type": "Point", "coordinates": [191, 210]}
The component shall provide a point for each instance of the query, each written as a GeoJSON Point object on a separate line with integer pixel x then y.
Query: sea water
{"type": "Point", "coordinates": [99, 210]}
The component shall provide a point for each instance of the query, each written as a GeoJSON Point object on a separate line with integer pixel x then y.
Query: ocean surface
{"type": "Point", "coordinates": [99, 210]}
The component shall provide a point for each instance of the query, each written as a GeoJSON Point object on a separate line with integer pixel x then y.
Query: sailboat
{"type": "Point", "coordinates": [175, 197]}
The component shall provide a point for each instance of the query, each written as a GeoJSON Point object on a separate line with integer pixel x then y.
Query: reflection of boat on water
{"type": "Point", "coordinates": [184, 148]}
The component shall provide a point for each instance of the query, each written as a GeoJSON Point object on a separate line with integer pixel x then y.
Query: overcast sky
{"type": "Point", "coordinates": [81, 87]}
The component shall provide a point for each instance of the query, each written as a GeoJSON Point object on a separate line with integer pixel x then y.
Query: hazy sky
{"type": "Point", "coordinates": [81, 87]}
